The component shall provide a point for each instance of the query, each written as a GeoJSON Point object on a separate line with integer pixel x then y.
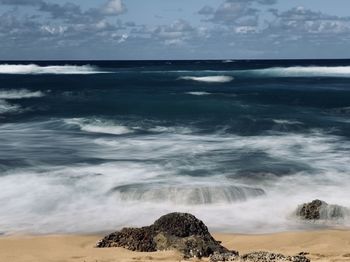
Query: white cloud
{"type": "Point", "coordinates": [114, 7]}
{"type": "Point", "coordinates": [123, 38]}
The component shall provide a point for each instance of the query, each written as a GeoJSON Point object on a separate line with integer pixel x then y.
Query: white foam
{"type": "Point", "coordinates": [37, 70]}
{"type": "Point", "coordinates": [18, 94]}
{"type": "Point", "coordinates": [6, 107]}
{"type": "Point", "coordinates": [228, 61]}
{"type": "Point", "coordinates": [71, 198]}
{"type": "Point", "coordinates": [300, 71]}
{"type": "Point", "coordinates": [198, 93]}
{"type": "Point", "coordinates": [99, 126]}
{"type": "Point", "coordinates": [209, 79]}
{"type": "Point", "coordinates": [286, 122]}
{"type": "Point", "coordinates": [187, 194]}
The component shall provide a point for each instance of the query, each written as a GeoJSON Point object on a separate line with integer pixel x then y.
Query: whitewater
{"type": "Point", "coordinates": [239, 144]}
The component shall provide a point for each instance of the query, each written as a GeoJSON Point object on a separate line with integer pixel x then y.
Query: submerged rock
{"type": "Point", "coordinates": [257, 257]}
{"type": "Point", "coordinates": [186, 194]}
{"type": "Point", "coordinates": [320, 210]}
{"type": "Point", "coordinates": [178, 231]}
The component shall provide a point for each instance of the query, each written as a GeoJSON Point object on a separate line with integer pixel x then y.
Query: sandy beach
{"type": "Point", "coordinates": [327, 245]}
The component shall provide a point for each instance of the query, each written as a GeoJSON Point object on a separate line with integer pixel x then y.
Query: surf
{"type": "Point", "coordinates": [33, 69]}
{"type": "Point", "coordinates": [20, 93]}
{"type": "Point", "coordinates": [298, 71]}
{"type": "Point", "coordinates": [208, 79]}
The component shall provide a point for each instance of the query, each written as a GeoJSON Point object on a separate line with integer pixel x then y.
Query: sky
{"type": "Point", "coordinates": [168, 29]}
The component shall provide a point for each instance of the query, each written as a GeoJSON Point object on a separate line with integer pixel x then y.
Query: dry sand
{"type": "Point", "coordinates": [331, 245]}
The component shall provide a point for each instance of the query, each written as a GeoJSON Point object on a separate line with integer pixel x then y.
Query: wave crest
{"type": "Point", "coordinates": [6, 107]}
{"type": "Point", "coordinates": [208, 79]}
{"type": "Point", "coordinates": [303, 71]}
{"type": "Point", "coordinates": [98, 126]}
{"type": "Point", "coordinates": [37, 70]}
{"type": "Point", "coordinates": [21, 93]}
{"type": "Point", "coordinates": [198, 93]}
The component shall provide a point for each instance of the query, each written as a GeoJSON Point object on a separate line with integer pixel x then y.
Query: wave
{"type": "Point", "coordinates": [329, 212]}
{"type": "Point", "coordinates": [187, 195]}
{"type": "Point", "coordinates": [279, 72]}
{"type": "Point", "coordinates": [6, 107]}
{"type": "Point", "coordinates": [37, 70]}
{"type": "Point", "coordinates": [209, 79]}
{"type": "Point", "coordinates": [18, 94]}
{"type": "Point", "coordinates": [99, 126]}
{"type": "Point", "coordinates": [182, 172]}
{"type": "Point", "coordinates": [286, 122]}
{"type": "Point", "coordinates": [301, 71]}
{"type": "Point", "coordinates": [198, 93]}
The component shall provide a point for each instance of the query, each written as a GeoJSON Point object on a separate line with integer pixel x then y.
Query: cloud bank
{"type": "Point", "coordinates": [42, 29]}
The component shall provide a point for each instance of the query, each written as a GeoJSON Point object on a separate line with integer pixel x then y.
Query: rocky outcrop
{"type": "Point", "coordinates": [320, 210]}
{"type": "Point", "coordinates": [227, 256]}
{"type": "Point", "coordinates": [178, 231]}
{"type": "Point", "coordinates": [257, 257]}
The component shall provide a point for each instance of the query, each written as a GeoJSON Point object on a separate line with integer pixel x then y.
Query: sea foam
{"type": "Point", "coordinates": [99, 126]}
{"type": "Point", "coordinates": [37, 70]}
{"type": "Point", "coordinates": [301, 71]}
{"type": "Point", "coordinates": [198, 93]}
{"type": "Point", "coordinates": [20, 93]}
{"type": "Point", "coordinates": [182, 172]}
{"type": "Point", "coordinates": [209, 79]}
{"type": "Point", "coordinates": [6, 107]}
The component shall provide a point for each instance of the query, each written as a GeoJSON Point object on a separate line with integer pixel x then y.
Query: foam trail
{"type": "Point", "coordinates": [18, 94]}
{"type": "Point", "coordinates": [198, 93]}
{"type": "Point", "coordinates": [209, 79]}
{"type": "Point", "coordinates": [37, 70]}
{"type": "Point", "coordinates": [6, 107]}
{"type": "Point", "coordinates": [286, 122]}
{"type": "Point", "coordinates": [187, 195]}
{"type": "Point", "coordinates": [300, 71]}
{"type": "Point", "coordinates": [99, 126]}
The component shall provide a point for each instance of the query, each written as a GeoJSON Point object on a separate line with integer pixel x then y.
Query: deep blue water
{"type": "Point", "coordinates": [238, 143]}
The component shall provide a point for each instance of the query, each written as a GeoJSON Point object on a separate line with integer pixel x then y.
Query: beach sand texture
{"type": "Point", "coordinates": [327, 245]}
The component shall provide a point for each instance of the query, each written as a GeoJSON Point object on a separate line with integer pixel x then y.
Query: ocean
{"type": "Point", "coordinates": [92, 146]}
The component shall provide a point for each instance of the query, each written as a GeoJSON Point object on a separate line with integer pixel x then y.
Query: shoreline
{"type": "Point", "coordinates": [322, 245]}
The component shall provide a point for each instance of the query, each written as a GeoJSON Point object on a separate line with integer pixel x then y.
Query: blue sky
{"type": "Point", "coordinates": [181, 29]}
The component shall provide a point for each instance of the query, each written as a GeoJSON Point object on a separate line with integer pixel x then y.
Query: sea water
{"type": "Point", "coordinates": [91, 146]}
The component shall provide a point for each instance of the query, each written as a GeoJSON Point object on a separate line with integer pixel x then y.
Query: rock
{"type": "Point", "coordinates": [178, 231]}
{"type": "Point", "coordinates": [256, 257]}
{"type": "Point", "coordinates": [227, 256]}
{"type": "Point", "coordinates": [135, 239]}
{"type": "Point", "coordinates": [320, 210]}
{"type": "Point", "coordinates": [181, 225]}
{"type": "Point", "coordinates": [272, 257]}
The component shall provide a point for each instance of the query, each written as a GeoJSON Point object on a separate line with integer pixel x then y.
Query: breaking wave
{"type": "Point", "coordinates": [38, 70]}
{"type": "Point", "coordinates": [187, 195]}
{"type": "Point", "coordinates": [198, 93]}
{"type": "Point", "coordinates": [301, 71]}
{"type": "Point", "coordinates": [209, 79]}
{"type": "Point", "coordinates": [98, 126]}
{"type": "Point", "coordinates": [6, 107]}
{"type": "Point", "coordinates": [18, 94]}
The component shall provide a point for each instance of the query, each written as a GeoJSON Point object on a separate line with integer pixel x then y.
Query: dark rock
{"type": "Point", "coordinates": [257, 257]}
{"type": "Point", "coordinates": [311, 211]}
{"type": "Point", "coordinates": [179, 231]}
{"type": "Point", "coordinates": [272, 257]}
{"type": "Point", "coordinates": [135, 239]}
{"type": "Point", "coordinates": [228, 256]}
{"type": "Point", "coordinates": [320, 210]}
{"type": "Point", "coordinates": [181, 225]}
